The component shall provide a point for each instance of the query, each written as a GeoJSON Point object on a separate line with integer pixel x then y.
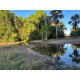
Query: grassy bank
{"type": "Point", "coordinates": [17, 61]}
{"type": "Point", "coordinates": [12, 43]}
{"type": "Point", "coordinates": [21, 57]}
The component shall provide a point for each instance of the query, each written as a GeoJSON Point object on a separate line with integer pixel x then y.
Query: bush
{"type": "Point", "coordinates": [14, 36]}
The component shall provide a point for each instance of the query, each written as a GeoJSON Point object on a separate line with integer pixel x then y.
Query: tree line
{"type": "Point", "coordinates": [35, 27]}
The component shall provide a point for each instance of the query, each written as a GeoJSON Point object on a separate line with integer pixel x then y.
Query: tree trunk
{"type": "Point", "coordinates": [56, 32]}
{"type": "Point", "coordinates": [45, 36]}
{"type": "Point", "coordinates": [45, 20]}
{"type": "Point", "coordinates": [46, 26]}
{"type": "Point", "coordinates": [42, 37]}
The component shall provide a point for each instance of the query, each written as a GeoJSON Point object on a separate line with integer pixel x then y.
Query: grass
{"type": "Point", "coordinates": [12, 58]}
{"type": "Point", "coordinates": [12, 43]}
{"type": "Point", "coordinates": [17, 61]}
{"type": "Point", "coordinates": [17, 58]}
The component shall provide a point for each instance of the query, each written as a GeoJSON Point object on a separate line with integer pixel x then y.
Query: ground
{"type": "Point", "coordinates": [22, 57]}
{"type": "Point", "coordinates": [61, 41]}
{"type": "Point", "coordinates": [64, 41]}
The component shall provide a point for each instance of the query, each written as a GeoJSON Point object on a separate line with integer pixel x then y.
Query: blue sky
{"type": "Point", "coordinates": [67, 15]}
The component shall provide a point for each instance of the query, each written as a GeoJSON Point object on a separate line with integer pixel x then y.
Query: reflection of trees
{"type": "Point", "coordinates": [50, 49]}
{"type": "Point", "coordinates": [54, 51]}
{"type": "Point", "coordinates": [75, 55]}
{"type": "Point", "coordinates": [76, 45]}
{"type": "Point", "coordinates": [47, 49]}
{"type": "Point", "coordinates": [59, 52]}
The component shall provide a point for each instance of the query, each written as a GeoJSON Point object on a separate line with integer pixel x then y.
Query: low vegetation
{"type": "Point", "coordinates": [19, 57]}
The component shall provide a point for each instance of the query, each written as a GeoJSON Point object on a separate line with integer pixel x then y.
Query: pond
{"type": "Point", "coordinates": [66, 53]}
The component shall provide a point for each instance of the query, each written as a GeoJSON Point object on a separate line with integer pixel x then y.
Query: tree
{"type": "Point", "coordinates": [36, 19]}
{"type": "Point", "coordinates": [52, 31]}
{"type": "Point", "coordinates": [9, 26]}
{"type": "Point", "coordinates": [56, 15]}
{"type": "Point", "coordinates": [75, 20]}
{"type": "Point", "coordinates": [26, 31]}
{"type": "Point", "coordinates": [44, 32]}
{"type": "Point", "coordinates": [61, 28]}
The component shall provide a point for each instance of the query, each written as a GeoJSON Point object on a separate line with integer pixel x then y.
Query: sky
{"type": "Point", "coordinates": [67, 15]}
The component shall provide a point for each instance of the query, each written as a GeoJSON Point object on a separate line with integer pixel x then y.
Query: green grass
{"type": "Point", "coordinates": [16, 58]}
{"type": "Point", "coordinates": [11, 60]}
{"type": "Point", "coordinates": [17, 61]}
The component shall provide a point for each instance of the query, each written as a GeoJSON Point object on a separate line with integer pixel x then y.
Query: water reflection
{"type": "Point", "coordinates": [67, 53]}
{"type": "Point", "coordinates": [54, 51]}
{"type": "Point", "coordinates": [75, 54]}
{"type": "Point", "coordinates": [60, 51]}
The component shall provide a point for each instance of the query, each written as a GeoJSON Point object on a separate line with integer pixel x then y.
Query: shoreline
{"type": "Point", "coordinates": [51, 41]}
{"type": "Point", "coordinates": [70, 41]}
{"type": "Point", "coordinates": [12, 43]}
{"type": "Point", "coordinates": [29, 59]}
{"type": "Point", "coordinates": [59, 41]}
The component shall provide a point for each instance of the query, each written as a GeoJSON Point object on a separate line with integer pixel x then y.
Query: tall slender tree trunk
{"type": "Point", "coordinates": [38, 28]}
{"type": "Point", "coordinates": [45, 20]}
{"type": "Point", "coordinates": [45, 36]}
{"type": "Point", "coordinates": [46, 26]}
{"type": "Point", "coordinates": [75, 32]}
{"type": "Point", "coordinates": [42, 37]}
{"type": "Point", "coordinates": [56, 32]}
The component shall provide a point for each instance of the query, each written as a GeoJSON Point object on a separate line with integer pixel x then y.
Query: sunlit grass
{"type": "Point", "coordinates": [12, 58]}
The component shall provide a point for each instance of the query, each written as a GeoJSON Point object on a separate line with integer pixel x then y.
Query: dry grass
{"type": "Point", "coordinates": [21, 57]}
{"type": "Point", "coordinates": [12, 43]}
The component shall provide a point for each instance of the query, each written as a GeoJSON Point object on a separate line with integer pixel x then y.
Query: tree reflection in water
{"type": "Point", "coordinates": [54, 51]}
{"type": "Point", "coordinates": [75, 55]}
{"type": "Point", "coordinates": [60, 51]}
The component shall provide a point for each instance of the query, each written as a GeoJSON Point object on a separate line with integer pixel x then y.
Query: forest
{"type": "Point", "coordinates": [38, 26]}
{"type": "Point", "coordinates": [38, 41]}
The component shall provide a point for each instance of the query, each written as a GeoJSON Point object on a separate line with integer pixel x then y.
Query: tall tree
{"type": "Point", "coordinates": [44, 31]}
{"type": "Point", "coordinates": [62, 27]}
{"type": "Point", "coordinates": [56, 15]}
{"type": "Point", "coordinates": [75, 20]}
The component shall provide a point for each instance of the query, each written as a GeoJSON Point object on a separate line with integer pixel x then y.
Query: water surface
{"type": "Point", "coordinates": [67, 53]}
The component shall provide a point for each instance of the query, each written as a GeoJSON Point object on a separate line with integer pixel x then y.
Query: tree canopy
{"type": "Point", "coordinates": [37, 26]}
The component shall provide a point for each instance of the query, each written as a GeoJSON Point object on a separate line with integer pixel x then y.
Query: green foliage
{"type": "Point", "coordinates": [75, 20]}
{"type": "Point", "coordinates": [8, 26]}
{"type": "Point", "coordinates": [52, 33]}
{"type": "Point", "coordinates": [56, 15]}
{"type": "Point", "coordinates": [15, 28]}
{"type": "Point", "coordinates": [61, 34]}
{"type": "Point", "coordinates": [44, 30]}
{"type": "Point", "coordinates": [37, 20]}
{"type": "Point", "coordinates": [75, 33]}
{"type": "Point", "coordinates": [27, 29]}
{"type": "Point", "coordinates": [14, 36]}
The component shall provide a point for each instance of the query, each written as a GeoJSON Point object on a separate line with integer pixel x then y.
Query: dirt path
{"type": "Point", "coordinates": [64, 41]}
{"type": "Point", "coordinates": [60, 41]}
